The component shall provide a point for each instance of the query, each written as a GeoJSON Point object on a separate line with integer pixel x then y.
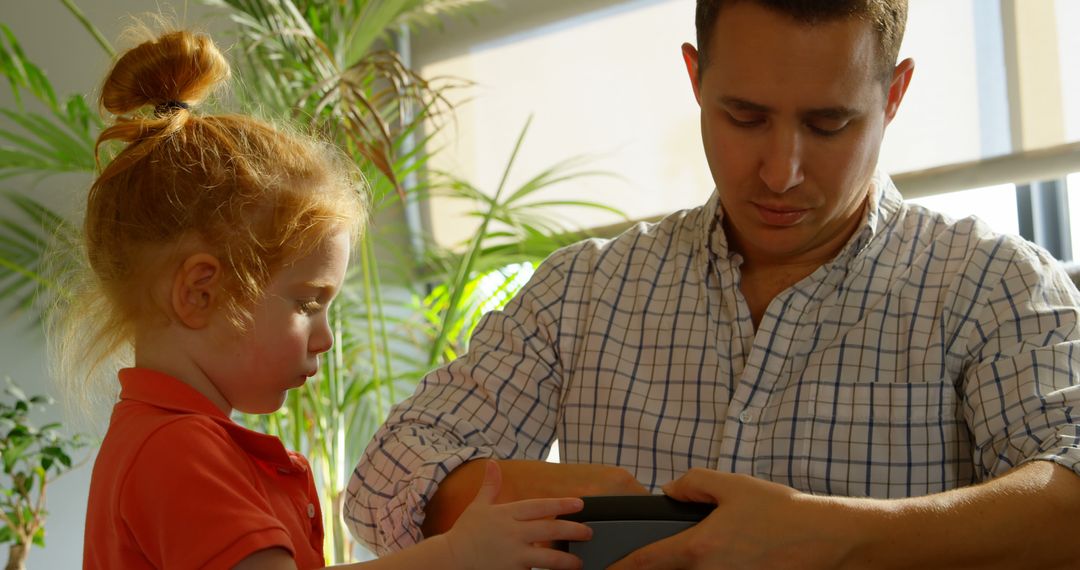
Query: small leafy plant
{"type": "Point", "coordinates": [32, 458]}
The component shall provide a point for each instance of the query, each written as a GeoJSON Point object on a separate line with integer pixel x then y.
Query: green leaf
{"type": "Point", "coordinates": [16, 392]}
{"type": "Point", "coordinates": [50, 143]}
{"type": "Point", "coordinates": [21, 72]}
{"type": "Point", "coordinates": [44, 218]}
{"type": "Point", "coordinates": [39, 535]}
{"type": "Point", "coordinates": [21, 483]}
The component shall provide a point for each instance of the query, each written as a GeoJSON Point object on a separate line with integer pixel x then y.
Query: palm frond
{"type": "Point", "coordinates": [25, 245]}
{"type": "Point", "coordinates": [38, 145]}
{"type": "Point", "coordinates": [21, 73]}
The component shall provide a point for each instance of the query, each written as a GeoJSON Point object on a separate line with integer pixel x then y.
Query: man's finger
{"type": "Point", "coordinates": [697, 485]}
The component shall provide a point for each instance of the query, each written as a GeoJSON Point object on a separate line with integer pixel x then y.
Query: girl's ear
{"type": "Point", "coordinates": [196, 288]}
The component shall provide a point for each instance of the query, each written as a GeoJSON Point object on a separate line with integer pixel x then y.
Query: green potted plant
{"type": "Point", "coordinates": [32, 458]}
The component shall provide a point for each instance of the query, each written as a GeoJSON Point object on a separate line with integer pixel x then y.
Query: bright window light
{"type": "Point", "coordinates": [995, 205]}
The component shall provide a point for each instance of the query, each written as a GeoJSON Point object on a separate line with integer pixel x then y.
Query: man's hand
{"type": "Point", "coordinates": [523, 479]}
{"type": "Point", "coordinates": [757, 524]}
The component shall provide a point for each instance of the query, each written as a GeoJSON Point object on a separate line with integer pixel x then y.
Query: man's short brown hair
{"type": "Point", "coordinates": [887, 17]}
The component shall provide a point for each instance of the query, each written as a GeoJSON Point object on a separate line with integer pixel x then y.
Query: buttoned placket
{"type": "Point", "coordinates": [738, 429]}
{"type": "Point", "coordinates": [302, 501]}
{"type": "Point", "coordinates": [771, 346]}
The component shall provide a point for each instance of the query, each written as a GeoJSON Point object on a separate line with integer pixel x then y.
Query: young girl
{"type": "Point", "coordinates": [215, 245]}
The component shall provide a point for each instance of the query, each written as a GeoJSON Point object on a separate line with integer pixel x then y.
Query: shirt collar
{"type": "Point", "coordinates": [162, 391]}
{"type": "Point", "coordinates": [885, 200]}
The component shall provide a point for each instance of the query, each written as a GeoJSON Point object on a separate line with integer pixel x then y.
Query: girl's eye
{"type": "Point", "coordinates": [310, 307]}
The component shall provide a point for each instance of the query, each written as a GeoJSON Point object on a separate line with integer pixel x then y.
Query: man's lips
{"type": "Point", "coordinates": [775, 215]}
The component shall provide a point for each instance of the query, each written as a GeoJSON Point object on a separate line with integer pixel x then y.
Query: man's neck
{"type": "Point", "coordinates": [764, 274]}
{"type": "Point", "coordinates": [802, 262]}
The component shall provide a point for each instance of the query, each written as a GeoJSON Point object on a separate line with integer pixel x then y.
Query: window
{"type": "Point", "coordinates": [1068, 18]}
{"type": "Point", "coordinates": [995, 205]}
{"type": "Point", "coordinates": [1073, 193]}
{"type": "Point", "coordinates": [956, 107]}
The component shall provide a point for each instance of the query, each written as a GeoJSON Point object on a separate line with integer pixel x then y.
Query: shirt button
{"type": "Point", "coordinates": [746, 416]}
{"type": "Point", "coordinates": [311, 510]}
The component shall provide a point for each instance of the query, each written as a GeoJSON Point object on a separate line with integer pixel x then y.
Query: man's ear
{"type": "Point", "coordinates": [690, 57]}
{"type": "Point", "coordinates": [901, 79]}
{"type": "Point", "coordinates": [196, 288]}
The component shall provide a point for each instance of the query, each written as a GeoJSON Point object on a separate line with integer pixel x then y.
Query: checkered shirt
{"type": "Point", "coordinates": [929, 354]}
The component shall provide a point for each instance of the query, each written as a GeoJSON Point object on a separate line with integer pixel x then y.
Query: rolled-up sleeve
{"type": "Point", "coordinates": [501, 400]}
{"type": "Point", "coordinates": [1022, 390]}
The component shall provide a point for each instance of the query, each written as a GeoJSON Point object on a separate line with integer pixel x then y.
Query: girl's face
{"type": "Point", "coordinates": [254, 369]}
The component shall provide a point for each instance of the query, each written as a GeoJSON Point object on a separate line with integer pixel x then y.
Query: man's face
{"type": "Point", "coordinates": [792, 118]}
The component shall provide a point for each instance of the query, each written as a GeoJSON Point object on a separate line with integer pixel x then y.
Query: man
{"type": "Point", "coordinates": [854, 381]}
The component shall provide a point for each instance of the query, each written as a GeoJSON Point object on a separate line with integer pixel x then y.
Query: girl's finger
{"type": "Point", "coordinates": [549, 530]}
{"type": "Point", "coordinates": [552, 559]}
{"type": "Point", "coordinates": [490, 486]}
{"type": "Point", "coordinates": [531, 509]}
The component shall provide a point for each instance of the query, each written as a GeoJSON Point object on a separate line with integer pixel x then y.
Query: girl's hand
{"type": "Point", "coordinates": [506, 536]}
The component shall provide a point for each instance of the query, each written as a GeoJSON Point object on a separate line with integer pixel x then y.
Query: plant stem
{"type": "Point", "coordinates": [17, 555]}
{"type": "Point", "coordinates": [387, 353]}
{"type": "Point", "coordinates": [75, 11]}
{"type": "Point", "coordinates": [469, 259]}
{"type": "Point", "coordinates": [376, 379]}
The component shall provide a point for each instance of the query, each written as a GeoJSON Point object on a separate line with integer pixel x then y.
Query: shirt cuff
{"type": "Point", "coordinates": [250, 544]}
{"type": "Point", "coordinates": [1062, 449]}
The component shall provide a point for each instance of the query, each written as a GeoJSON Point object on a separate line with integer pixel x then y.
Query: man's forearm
{"type": "Point", "coordinates": [523, 479]}
{"type": "Point", "coordinates": [1020, 520]}
{"type": "Point", "coordinates": [453, 495]}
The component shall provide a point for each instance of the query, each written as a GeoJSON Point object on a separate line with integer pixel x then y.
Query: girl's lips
{"type": "Point", "coordinates": [783, 218]}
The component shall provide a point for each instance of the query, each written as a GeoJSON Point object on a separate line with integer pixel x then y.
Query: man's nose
{"type": "Point", "coordinates": [781, 165]}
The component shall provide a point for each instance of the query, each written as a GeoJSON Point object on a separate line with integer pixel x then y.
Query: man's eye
{"type": "Point", "coordinates": [309, 307]}
{"type": "Point", "coordinates": [745, 122]}
{"type": "Point", "coordinates": [828, 129]}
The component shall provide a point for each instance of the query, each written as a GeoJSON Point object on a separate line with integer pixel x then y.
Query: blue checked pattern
{"type": "Point", "coordinates": [929, 355]}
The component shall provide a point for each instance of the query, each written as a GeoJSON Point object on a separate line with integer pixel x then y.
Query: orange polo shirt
{"type": "Point", "coordinates": [177, 484]}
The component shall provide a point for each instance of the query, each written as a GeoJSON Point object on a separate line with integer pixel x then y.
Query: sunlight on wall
{"type": "Point", "coordinates": [609, 84]}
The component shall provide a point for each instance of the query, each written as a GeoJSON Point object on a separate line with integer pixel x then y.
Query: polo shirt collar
{"type": "Point", "coordinates": [162, 391]}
